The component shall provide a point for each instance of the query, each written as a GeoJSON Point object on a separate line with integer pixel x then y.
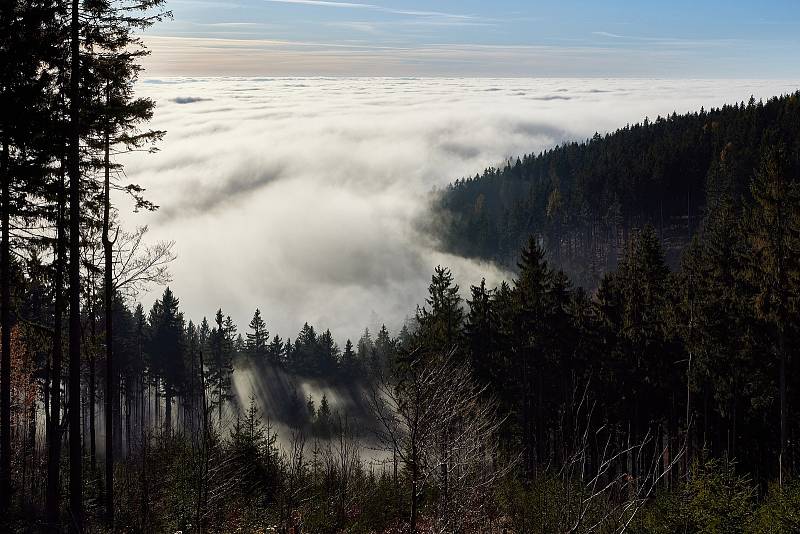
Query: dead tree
{"type": "Point", "coordinates": [434, 415]}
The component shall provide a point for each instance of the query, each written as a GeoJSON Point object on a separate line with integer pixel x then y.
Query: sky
{"type": "Point", "coordinates": [530, 38]}
{"type": "Point", "coordinates": [304, 196]}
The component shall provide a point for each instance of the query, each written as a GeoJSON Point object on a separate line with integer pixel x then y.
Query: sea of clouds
{"type": "Point", "coordinates": [300, 195]}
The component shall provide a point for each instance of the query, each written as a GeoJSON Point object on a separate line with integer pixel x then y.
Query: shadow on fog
{"type": "Point", "coordinates": [282, 397]}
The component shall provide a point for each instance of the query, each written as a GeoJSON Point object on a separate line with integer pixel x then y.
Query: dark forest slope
{"type": "Point", "coordinates": [583, 199]}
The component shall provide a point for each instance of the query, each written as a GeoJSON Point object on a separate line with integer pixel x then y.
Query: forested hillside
{"type": "Point", "coordinates": [664, 400]}
{"type": "Point", "coordinates": [583, 199]}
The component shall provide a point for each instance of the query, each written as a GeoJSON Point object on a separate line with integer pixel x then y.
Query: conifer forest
{"type": "Point", "coordinates": [634, 369]}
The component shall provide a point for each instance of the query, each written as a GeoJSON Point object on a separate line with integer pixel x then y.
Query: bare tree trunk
{"type": "Point", "coordinates": [54, 428]}
{"type": "Point", "coordinates": [782, 459]}
{"type": "Point", "coordinates": [109, 300]}
{"type": "Point", "coordinates": [92, 384]}
{"type": "Point", "coordinates": [128, 407]}
{"type": "Point", "coordinates": [32, 445]}
{"type": "Point", "coordinates": [202, 489]}
{"type": "Point", "coordinates": [75, 467]}
{"type": "Point", "coordinates": [142, 396]}
{"type": "Point", "coordinates": [157, 403]}
{"type": "Point", "coordinates": [219, 406]}
{"type": "Point", "coordinates": [5, 325]}
{"type": "Point", "coordinates": [144, 506]}
{"type": "Point", "coordinates": [167, 411]}
{"type": "Point", "coordinates": [414, 491]}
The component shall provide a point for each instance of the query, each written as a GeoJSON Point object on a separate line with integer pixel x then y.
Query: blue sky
{"type": "Point", "coordinates": [739, 39]}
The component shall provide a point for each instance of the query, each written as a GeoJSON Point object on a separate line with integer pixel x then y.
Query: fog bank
{"type": "Point", "coordinates": [300, 195]}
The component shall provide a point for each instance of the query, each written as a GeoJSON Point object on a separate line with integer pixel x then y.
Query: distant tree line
{"type": "Point", "coordinates": [585, 199]}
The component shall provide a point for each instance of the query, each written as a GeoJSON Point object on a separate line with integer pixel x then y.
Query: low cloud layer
{"type": "Point", "coordinates": [299, 195]}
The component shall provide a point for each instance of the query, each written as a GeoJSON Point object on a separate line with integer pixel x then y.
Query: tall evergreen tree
{"type": "Point", "coordinates": [383, 355]}
{"type": "Point", "coordinates": [328, 354]}
{"type": "Point", "coordinates": [480, 331]}
{"type": "Point", "coordinates": [364, 350]}
{"type": "Point", "coordinates": [275, 351]}
{"type": "Point", "coordinates": [528, 334]}
{"type": "Point", "coordinates": [440, 322]}
{"type": "Point", "coordinates": [258, 339]}
{"type": "Point", "coordinates": [774, 222]}
{"type": "Point", "coordinates": [221, 365]}
{"type": "Point", "coordinates": [348, 360]}
{"type": "Point", "coordinates": [166, 347]}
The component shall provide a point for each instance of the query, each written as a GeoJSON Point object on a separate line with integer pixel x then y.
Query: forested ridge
{"type": "Point", "coordinates": [656, 400]}
{"type": "Point", "coordinates": [585, 198]}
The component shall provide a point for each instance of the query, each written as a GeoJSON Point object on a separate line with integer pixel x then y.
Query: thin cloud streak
{"type": "Point", "coordinates": [669, 41]}
{"type": "Point", "coordinates": [372, 7]}
{"type": "Point", "coordinates": [207, 56]}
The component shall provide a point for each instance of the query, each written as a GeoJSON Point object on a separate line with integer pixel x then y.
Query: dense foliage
{"type": "Point", "coordinates": [585, 198]}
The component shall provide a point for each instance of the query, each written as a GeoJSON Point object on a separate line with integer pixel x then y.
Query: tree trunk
{"type": "Point", "coordinates": [5, 325]}
{"type": "Point", "coordinates": [92, 397]}
{"type": "Point", "coordinates": [31, 444]}
{"type": "Point", "coordinates": [219, 406]}
{"type": "Point", "coordinates": [167, 411]}
{"type": "Point", "coordinates": [782, 459]}
{"type": "Point", "coordinates": [128, 407]}
{"type": "Point", "coordinates": [54, 428]}
{"type": "Point", "coordinates": [75, 467]}
{"type": "Point", "coordinates": [109, 299]}
{"type": "Point", "coordinates": [414, 492]}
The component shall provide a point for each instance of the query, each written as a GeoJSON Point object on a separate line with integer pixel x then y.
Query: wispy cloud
{"type": "Point", "coordinates": [229, 24]}
{"type": "Point", "coordinates": [361, 26]}
{"type": "Point", "coordinates": [667, 41]}
{"type": "Point", "coordinates": [194, 56]}
{"type": "Point", "coordinates": [612, 35]}
{"type": "Point", "coordinates": [372, 7]}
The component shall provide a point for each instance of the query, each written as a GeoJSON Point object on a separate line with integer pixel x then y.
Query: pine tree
{"type": "Point", "coordinates": [773, 221]}
{"type": "Point", "coordinates": [253, 452]}
{"type": "Point", "coordinates": [275, 351]}
{"type": "Point", "coordinates": [440, 322]}
{"type": "Point", "coordinates": [480, 331]}
{"type": "Point", "coordinates": [348, 359]}
{"type": "Point", "coordinates": [405, 339]}
{"type": "Point", "coordinates": [649, 377]}
{"type": "Point", "coordinates": [311, 410]}
{"type": "Point", "coordinates": [221, 364]}
{"type": "Point", "coordinates": [166, 348]}
{"type": "Point", "coordinates": [258, 340]}
{"type": "Point", "coordinates": [306, 354]}
{"type": "Point", "coordinates": [364, 351]}
{"type": "Point", "coordinates": [529, 337]}
{"type": "Point", "coordinates": [323, 419]}
{"type": "Point", "coordinates": [328, 354]}
{"type": "Point", "coordinates": [716, 322]}
{"type": "Point", "coordinates": [384, 354]}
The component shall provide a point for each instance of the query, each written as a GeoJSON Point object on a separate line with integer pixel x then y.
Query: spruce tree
{"type": "Point", "coordinates": [166, 348]}
{"type": "Point", "coordinates": [348, 359]}
{"type": "Point", "coordinates": [384, 354]}
{"type": "Point", "coordinates": [773, 221]}
{"type": "Point", "coordinates": [275, 351]}
{"type": "Point", "coordinates": [258, 338]}
{"type": "Point", "coordinates": [528, 333]}
{"type": "Point", "coordinates": [440, 322]}
{"type": "Point", "coordinates": [221, 365]}
{"type": "Point", "coordinates": [364, 351]}
{"type": "Point", "coordinates": [480, 331]}
{"type": "Point", "coordinates": [328, 354]}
